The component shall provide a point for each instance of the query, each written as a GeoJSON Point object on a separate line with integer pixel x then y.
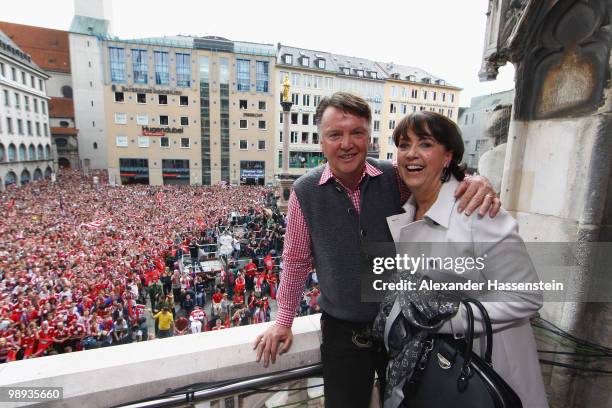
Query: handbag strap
{"type": "Point", "coordinates": [469, 341]}
{"type": "Point", "coordinates": [488, 328]}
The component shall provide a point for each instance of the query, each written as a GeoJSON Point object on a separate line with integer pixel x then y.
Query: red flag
{"type": "Point", "coordinates": [10, 204]}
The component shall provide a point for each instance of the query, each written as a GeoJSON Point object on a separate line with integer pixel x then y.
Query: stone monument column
{"type": "Point", "coordinates": [286, 180]}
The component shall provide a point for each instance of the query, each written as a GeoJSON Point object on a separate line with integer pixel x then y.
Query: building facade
{"type": "Point", "coordinates": [475, 121]}
{"type": "Point", "coordinates": [185, 110]}
{"type": "Point", "coordinates": [410, 89]}
{"type": "Point", "coordinates": [49, 49]}
{"type": "Point", "coordinates": [25, 140]}
{"type": "Point", "coordinates": [90, 25]}
{"type": "Point", "coordinates": [250, 140]}
{"type": "Point", "coordinates": [312, 77]}
{"type": "Point", "coordinates": [151, 102]}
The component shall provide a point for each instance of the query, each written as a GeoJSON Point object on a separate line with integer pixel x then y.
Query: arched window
{"type": "Point", "coordinates": [95, 145]}
{"type": "Point", "coordinates": [22, 153]}
{"type": "Point", "coordinates": [40, 152]}
{"type": "Point", "coordinates": [2, 153]}
{"type": "Point", "coordinates": [25, 177]}
{"type": "Point", "coordinates": [32, 152]}
{"type": "Point", "coordinates": [38, 175]}
{"type": "Point", "coordinates": [12, 154]}
{"type": "Point", "coordinates": [48, 172]}
{"type": "Point", "coordinates": [11, 178]}
{"type": "Point", "coordinates": [61, 142]}
{"type": "Point", "coordinates": [48, 152]}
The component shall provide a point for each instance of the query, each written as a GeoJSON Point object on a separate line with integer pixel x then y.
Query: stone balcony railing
{"type": "Point", "coordinates": [123, 374]}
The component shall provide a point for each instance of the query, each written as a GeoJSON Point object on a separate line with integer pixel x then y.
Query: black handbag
{"type": "Point", "coordinates": [450, 374]}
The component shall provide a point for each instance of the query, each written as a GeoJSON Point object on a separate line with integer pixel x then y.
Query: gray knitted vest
{"type": "Point", "coordinates": [337, 233]}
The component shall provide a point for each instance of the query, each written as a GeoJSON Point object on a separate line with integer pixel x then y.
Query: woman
{"type": "Point", "coordinates": [430, 150]}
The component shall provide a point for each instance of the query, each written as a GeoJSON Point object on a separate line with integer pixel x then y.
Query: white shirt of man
{"type": "Point", "coordinates": [196, 317]}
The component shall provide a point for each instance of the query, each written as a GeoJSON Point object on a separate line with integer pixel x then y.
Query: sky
{"type": "Point", "coordinates": [443, 37]}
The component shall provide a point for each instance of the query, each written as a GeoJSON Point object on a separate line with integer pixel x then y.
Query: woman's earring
{"type": "Point", "coordinates": [445, 174]}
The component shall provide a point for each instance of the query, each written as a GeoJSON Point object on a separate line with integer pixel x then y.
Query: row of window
{"type": "Point", "coordinates": [306, 119]}
{"type": "Point", "coordinates": [304, 61]}
{"type": "Point", "coordinates": [308, 81]}
{"type": "Point", "coordinates": [162, 99]}
{"type": "Point", "coordinates": [244, 144]}
{"type": "Point", "coordinates": [143, 119]}
{"type": "Point", "coordinates": [304, 139]}
{"type": "Point", "coordinates": [145, 141]}
{"type": "Point", "coordinates": [244, 124]}
{"type": "Point", "coordinates": [27, 80]}
{"type": "Point", "coordinates": [18, 98]}
{"type": "Point", "coordinates": [29, 130]}
{"type": "Point", "coordinates": [243, 75]}
{"type": "Point", "coordinates": [404, 109]}
{"type": "Point", "coordinates": [359, 72]}
{"type": "Point", "coordinates": [25, 153]}
{"type": "Point", "coordinates": [185, 143]}
{"type": "Point", "coordinates": [306, 99]}
{"type": "Point", "coordinates": [319, 62]}
{"type": "Point", "coordinates": [414, 94]}
{"type": "Point", "coordinates": [140, 69]}
{"type": "Point", "coordinates": [244, 104]}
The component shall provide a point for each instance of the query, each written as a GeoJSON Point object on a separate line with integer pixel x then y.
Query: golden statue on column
{"type": "Point", "coordinates": [286, 87]}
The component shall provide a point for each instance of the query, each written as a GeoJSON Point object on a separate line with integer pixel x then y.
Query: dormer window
{"type": "Point", "coordinates": [411, 78]}
{"type": "Point", "coordinates": [426, 80]}
{"type": "Point", "coordinates": [373, 75]}
{"type": "Point", "coordinates": [346, 71]}
{"type": "Point", "coordinates": [359, 72]}
{"type": "Point", "coordinates": [321, 63]}
{"type": "Point", "coordinates": [305, 61]}
{"type": "Point", "coordinates": [288, 59]}
{"type": "Point", "coordinates": [395, 76]}
{"type": "Point", "coordinates": [441, 82]}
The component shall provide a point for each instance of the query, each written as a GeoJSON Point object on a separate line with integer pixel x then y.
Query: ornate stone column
{"type": "Point", "coordinates": [558, 163]}
{"type": "Point", "coordinates": [286, 180]}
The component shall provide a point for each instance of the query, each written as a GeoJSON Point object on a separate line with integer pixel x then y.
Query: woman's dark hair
{"type": "Point", "coordinates": [439, 127]}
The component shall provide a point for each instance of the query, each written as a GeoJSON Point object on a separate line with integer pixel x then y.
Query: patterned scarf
{"type": "Point", "coordinates": [405, 322]}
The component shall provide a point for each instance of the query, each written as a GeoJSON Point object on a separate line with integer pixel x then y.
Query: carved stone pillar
{"type": "Point", "coordinates": [286, 180]}
{"type": "Point", "coordinates": [558, 164]}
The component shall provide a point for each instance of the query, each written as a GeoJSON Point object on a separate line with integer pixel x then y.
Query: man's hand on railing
{"type": "Point", "coordinates": [267, 343]}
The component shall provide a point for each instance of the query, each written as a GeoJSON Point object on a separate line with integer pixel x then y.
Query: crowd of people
{"type": "Point", "coordinates": [84, 264]}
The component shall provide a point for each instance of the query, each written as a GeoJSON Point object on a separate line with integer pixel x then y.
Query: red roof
{"type": "Point", "coordinates": [61, 108]}
{"type": "Point", "coordinates": [64, 131]}
{"type": "Point", "coordinates": [48, 48]}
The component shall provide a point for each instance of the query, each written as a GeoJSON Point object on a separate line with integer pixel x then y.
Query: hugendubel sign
{"type": "Point", "coordinates": [159, 131]}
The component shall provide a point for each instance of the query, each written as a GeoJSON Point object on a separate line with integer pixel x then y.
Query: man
{"type": "Point", "coordinates": [334, 210]}
{"type": "Point", "coordinates": [165, 322]}
{"type": "Point", "coordinates": [196, 318]}
{"type": "Point", "coordinates": [188, 304]}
